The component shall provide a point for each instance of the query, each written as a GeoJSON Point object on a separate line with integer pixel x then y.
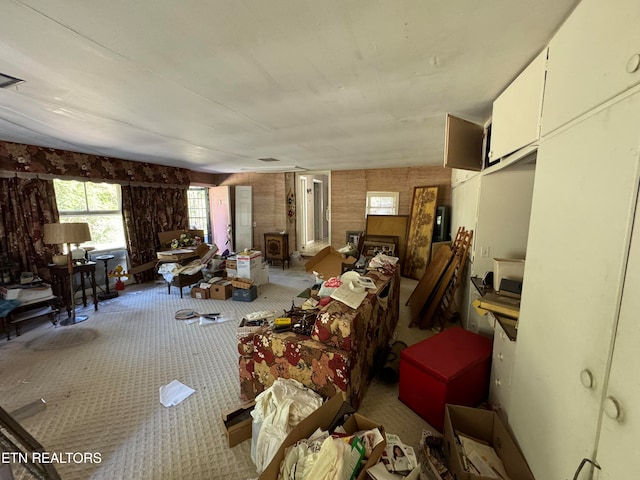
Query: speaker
{"type": "Point", "coordinates": [441, 225]}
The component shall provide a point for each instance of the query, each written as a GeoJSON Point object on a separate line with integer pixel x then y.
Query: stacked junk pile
{"type": "Point", "coordinates": [431, 302]}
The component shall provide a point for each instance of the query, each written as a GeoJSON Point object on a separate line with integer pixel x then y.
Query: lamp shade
{"type": "Point", "coordinates": [57, 233]}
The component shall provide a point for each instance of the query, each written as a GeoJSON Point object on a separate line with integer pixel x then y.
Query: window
{"type": "Point", "coordinates": [198, 200]}
{"type": "Point", "coordinates": [382, 203]}
{"type": "Point", "coordinates": [98, 204]}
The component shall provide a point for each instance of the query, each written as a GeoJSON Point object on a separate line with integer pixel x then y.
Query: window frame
{"type": "Point", "coordinates": [71, 215]}
{"type": "Point", "coordinates": [379, 194]}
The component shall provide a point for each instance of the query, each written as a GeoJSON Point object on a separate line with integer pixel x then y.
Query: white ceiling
{"type": "Point", "coordinates": [215, 85]}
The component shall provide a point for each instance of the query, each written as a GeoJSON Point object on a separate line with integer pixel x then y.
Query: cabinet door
{"type": "Point", "coordinates": [517, 111]}
{"type": "Point", "coordinates": [501, 368]}
{"type": "Point", "coordinates": [588, 59]}
{"type": "Point", "coordinates": [584, 193]}
{"type": "Point", "coordinates": [618, 445]}
{"type": "Point", "coordinates": [463, 144]}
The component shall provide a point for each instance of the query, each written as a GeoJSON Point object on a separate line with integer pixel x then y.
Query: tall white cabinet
{"type": "Point", "coordinates": [575, 392]}
{"type": "Point", "coordinates": [583, 205]}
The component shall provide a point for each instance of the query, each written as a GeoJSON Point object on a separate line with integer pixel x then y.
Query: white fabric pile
{"type": "Point", "coordinates": [327, 457]}
{"type": "Point", "coordinates": [278, 410]}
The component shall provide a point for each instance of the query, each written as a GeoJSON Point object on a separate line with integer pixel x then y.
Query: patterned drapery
{"type": "Point", "coordinates": [53, 163]}
{"type": "Point", "coordinates": [27, 204]}
{"type": "Point", "coordinates": [147, 211]}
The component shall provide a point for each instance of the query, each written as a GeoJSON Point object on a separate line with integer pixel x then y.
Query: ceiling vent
{"type": "Point", "coordinates": [7, 81]}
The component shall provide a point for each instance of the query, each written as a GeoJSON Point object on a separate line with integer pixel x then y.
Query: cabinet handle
{"type": "Point", "coordinates": [501, 357]}
{"type": "Point", "coordinates": [612, 408]}
{"type": "Point", "coordinates": [633, 63]}
{"type": "Point", "coordinates": [498, 382]}
{"type": "Point", "coordinates": [586, 378]}
{"type": "Point", "coordinates": [581, 466]}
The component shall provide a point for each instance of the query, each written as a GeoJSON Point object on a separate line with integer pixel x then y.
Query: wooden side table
{"type": "Point", "coordinates": [60, 283]}
{"type": "Point", "coordinates": [276, 247]}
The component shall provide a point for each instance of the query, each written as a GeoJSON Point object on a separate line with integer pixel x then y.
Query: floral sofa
{"type": "Point", "coordinates": [340, 353]}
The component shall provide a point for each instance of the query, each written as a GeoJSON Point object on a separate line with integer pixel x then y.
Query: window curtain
{"type": "Point", "coordinates": [27, 204]}
{"type": "Point", "coordinates": [147, 211]}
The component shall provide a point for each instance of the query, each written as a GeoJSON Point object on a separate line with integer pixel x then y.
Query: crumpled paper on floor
{"type": "Point", "coordinates": [174, 393]}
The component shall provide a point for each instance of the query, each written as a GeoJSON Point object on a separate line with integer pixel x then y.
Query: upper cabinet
{"type": "Point", "coordinates": [463, 144]}
{"type": "Point", "coordinates": [592, 58]}
{"type": "Point", "coordinates": [517, 111]}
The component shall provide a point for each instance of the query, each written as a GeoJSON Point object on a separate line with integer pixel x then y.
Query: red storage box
{"type": "Point", "coordinates": [453, 366]}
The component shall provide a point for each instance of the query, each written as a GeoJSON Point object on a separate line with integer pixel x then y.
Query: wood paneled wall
{"type": "Point", "coordinates": [269, 192]}
{"type": "Point", "coordinates": [348, 196]}
{"type": "Point", "coordinates": [349, 191]}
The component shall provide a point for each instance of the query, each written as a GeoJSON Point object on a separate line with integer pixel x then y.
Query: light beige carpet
{"type": "Point", "coordinates": [101, 381]}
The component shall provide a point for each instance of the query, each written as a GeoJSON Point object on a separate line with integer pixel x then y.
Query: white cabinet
{"type": "Point", "coordinates": [593, 57]}
{"type": "Point", "coordinates": [618, 444]}
{"type": "Point", "coordinates": [517, 111]}
{"type": "Point", "coordinates": [583, 205]}
{"type": "Point", "coordinates": [504, 352]}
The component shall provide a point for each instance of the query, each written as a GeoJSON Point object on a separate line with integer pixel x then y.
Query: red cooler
{"type": "Point", "coordinates": [453, 366]}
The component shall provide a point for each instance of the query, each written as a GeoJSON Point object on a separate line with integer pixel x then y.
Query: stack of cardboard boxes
{"type": "Point", "coordinates": [245, 272]}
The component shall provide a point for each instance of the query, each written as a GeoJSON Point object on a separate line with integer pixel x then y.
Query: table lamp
{"type": "Point", "coordinates": [68, 233]}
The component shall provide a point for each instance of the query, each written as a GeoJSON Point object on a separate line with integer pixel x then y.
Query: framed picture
{"type": "Point", "coordinates": [353, 237]}
{"type": "Point", "coordinates": [372, 248]}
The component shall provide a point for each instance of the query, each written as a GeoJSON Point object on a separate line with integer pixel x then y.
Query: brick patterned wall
{"type": "Point", "coordinates": [349, 190]}
{"type": "Point", "coordinates": [269, 193]}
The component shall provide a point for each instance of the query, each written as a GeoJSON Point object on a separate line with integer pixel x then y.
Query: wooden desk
{"type": "Point", "coordinates": [60, 283]}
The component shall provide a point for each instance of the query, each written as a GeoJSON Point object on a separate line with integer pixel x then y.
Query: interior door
{"type": "Point", "coordinates": [220, 205]}
{"type": "Point", "coordinates": [583, 201]}
{"type": "Point", "coordinates": [318, 205]}
{"type": "Point", "coordinates": [244, 218]}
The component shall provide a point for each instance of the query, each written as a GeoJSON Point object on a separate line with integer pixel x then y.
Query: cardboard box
{"type": "Point", "coordinates": [483, 425]}
{"type": "Point", "coordinates": [323, 418]}
{"type": "Point", "coordinates": [237, 423]}
{"type": "Point", "coordinates": [245, 295]}
{"type": "Point", "coordinates": [328, 263]}
{"type": "Point", "coordinates": [231, 264]}
{"type": "Point", "coordinates": [220, 290]}
{"type": "Point", "coordinates": [244, 283]}
{"type": "Point", "coordinates": [248, 264]}
{"type": "Point", "coordinates": [200, 293]}
{"type": "Point", "coordinates": [453, 366]}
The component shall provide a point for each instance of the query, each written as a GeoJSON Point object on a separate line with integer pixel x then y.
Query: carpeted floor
{"type": "Point", "coordinates": [101, 381]}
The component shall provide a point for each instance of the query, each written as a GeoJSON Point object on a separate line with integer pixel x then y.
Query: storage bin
{"type": "Point", "coordinates": [245, 294]}
{"type": "Point", "coordinates": [453, 366]}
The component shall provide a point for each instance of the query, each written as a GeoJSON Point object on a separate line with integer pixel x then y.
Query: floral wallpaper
{"type": "Point", "coordinates": [20, 158]}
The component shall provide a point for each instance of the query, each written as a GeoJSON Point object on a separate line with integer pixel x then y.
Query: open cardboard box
{"type": "Point", "coordinates": [237, 423]}
{"type": "Point", "coordinates": [323, 418]}
{"type": "Point", "coordinates": [328, 263]}
{"type": "Point", "coordinates": [484, 425]}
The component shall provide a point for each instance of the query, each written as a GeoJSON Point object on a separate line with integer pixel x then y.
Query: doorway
{"type": "Point", "coordinates": [313, 207]}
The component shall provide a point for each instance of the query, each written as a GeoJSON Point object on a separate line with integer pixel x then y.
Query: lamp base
{"type": "Point", "coordinates": [107, 296]}
{"type": "Point", "coordinates": [73, 319]}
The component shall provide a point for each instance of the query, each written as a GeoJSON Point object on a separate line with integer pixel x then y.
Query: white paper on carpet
{"type": "Point", "coordinates": [174, 393]}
